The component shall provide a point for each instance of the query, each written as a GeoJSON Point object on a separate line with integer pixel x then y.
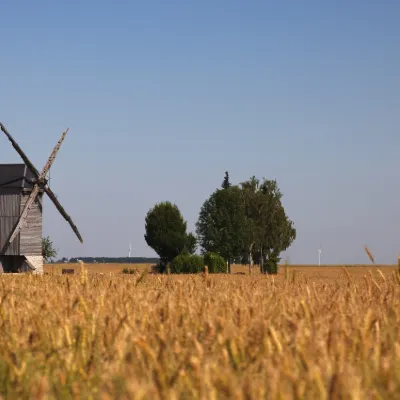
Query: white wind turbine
{"type": "Point", "coordinates": [319, 256]}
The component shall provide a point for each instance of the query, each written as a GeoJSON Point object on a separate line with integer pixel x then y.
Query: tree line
{"type": "Point", "coordinates": [244, 223]}
{"type": "Point", "coordinates": [49, 253]}
{"type": "Point", "coordinates": [110, 260]}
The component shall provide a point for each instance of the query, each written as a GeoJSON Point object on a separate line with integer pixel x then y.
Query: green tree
{"type": "Point", "coordinates": [166, 231]}
{"type": "Point", "coordinates": [253, 208]}
{"type": "Point", "coordinates": [191, 243]}
{"type": "Point", "coordinates": [48, 250]}
{"type": "Point", "coordinates": [226, 183]}
{"type": "Point", "coordinates": [222, 224]}
{"type": "Point", "coordinates": [271, 230]}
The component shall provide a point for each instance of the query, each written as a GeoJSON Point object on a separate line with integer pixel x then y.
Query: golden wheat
{"type": "Point", "coordinates": [208, 336]}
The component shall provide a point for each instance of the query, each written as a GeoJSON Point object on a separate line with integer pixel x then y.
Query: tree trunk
{"type": "Point", "coordinates": [261, 261]}
{"type": "Point", "coordinates": [229, 265]}
{"type": "Point", "coordinates": [251, 261]}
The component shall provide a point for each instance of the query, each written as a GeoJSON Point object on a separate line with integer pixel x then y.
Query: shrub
{"type": "Point", "coordinates": [271, 264]}
{"type": "Point", "coordinates": [180, 264]}
{"type": "Point", "coordinates": [187, 264]}
{"type": "Point", "coordinates": [197, 263]}
{"type": "Point", "coordinates": [128, 271]}
{"type": "Point", "coordinates": [216, 264]}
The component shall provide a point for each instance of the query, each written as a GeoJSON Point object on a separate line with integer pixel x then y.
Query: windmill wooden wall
{"type": "Point", "coordinates": [10, 201]}
{"type": "Point", "coordinates": [31, 233]}
{"type": "Point", "coordinates": [15, 188]}
{"type": "Point", "coordinates": [29, 240]}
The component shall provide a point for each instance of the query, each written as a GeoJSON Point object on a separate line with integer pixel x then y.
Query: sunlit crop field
{"type": "Point", "coordinates": [309, 270]}
{"type": "Point", "coordinates": [307, 333]}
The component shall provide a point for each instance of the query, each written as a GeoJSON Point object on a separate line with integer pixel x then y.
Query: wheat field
{"type": "Point", "coordinates": [301, 334]}
{"type": "Point", "coordinates": [309, 270]}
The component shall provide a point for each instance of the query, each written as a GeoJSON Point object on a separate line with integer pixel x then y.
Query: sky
{"type": "Point", "coordinates": [161, 98]}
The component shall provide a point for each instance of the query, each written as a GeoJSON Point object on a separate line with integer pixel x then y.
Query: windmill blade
{"type": "Point", "coordinates": [53, 154]}
{"type": "Point", "coordinates": [62, 212]}
{"type": "Point", "coordinates": [21, 218]}
{"type": "Point", "coordinates": [20, 152]}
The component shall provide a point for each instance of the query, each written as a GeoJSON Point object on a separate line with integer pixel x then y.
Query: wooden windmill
{"type": "Point", "coordinates": [21, 197]}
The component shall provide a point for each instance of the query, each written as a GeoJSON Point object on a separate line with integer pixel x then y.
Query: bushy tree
{"type": "Point", "coordinates": [271, 230]}
{"type": "Point", "coordinates": [222, 224]}
{"type": "Point", "coordinates": [187, 264]}
{"type": "Point", "coordinates": [270, 266]}
{"type": "Point", "coordinates": [166, 231]}
{"type": "Point", "coordinates": [48, 250]}
{"type": "Point", "coordinates": [215, 263]}
{"type": "Point", "coordinates": [191, 243]}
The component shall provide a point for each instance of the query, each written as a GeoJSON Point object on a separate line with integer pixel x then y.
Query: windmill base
{"type": "Point", "coordinates": [18, 264]}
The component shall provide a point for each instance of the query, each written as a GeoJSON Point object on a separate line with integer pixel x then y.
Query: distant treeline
{"type": "Point", "coordinates": [110, 260]}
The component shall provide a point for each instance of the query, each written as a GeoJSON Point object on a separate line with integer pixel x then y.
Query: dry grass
{"type": "Point", "coordinates": [298, 335]}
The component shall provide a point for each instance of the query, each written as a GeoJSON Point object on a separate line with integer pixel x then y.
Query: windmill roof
{"type": "Point", "coordinates": [15, 176]}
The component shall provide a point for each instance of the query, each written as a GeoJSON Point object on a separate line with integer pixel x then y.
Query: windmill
{"type": "Point", "coordinates": [22, 188]}
{"type": "Point", "coordinates": [319, 256]}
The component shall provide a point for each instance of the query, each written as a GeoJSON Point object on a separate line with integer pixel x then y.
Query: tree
{"type": "Point", "coordinates": [222, 224]}
{"type": "Point", "coordinates": [191, 243]}
{"type": "Point", "coordinates": [48, 250]}
{"type": "Point", "coordinates": [271, 230]}
{"type": "Point", "coordinates": [165, 231]}
{"type": "Point", "coordinates": [226, 184]}
{"type": "Point", "coordinates": [253, 207]}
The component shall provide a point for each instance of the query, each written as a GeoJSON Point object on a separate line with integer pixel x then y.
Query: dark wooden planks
{"type": "Point", "coordinates": [9, 212]}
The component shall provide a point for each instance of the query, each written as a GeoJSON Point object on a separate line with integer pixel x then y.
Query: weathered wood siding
{"type": "Point", "coordinates": [9, 212]}
{"type": "Point", "coordinates": [31, 232]}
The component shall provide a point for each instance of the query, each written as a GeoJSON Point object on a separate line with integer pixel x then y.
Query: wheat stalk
{"type": "Point", "coordinates": [371, 257]}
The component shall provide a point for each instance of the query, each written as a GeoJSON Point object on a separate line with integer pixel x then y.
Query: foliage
{"type": "Point", "coordinates": [222, 224]}
{"type": "Point", "coordinates": [270, 266]}
{"type": "Point", "coordinates": [215, 263]}
{"type": "Point", "coordinates": [187, 264]}
{"type": "Point", "coordinates": [271, 230]}
{"type": "Point", "coordinates": [48, 250]}
{"type": "Point", "coordinates": [129, 271]}
{"type": "Point", "coordinates": [165, 231]}
{"type": "Point", "coordinates": [245, 222]}
{"type": "Point", "coordinates": [239, 222]}
{"type": "Point", "coordinates": [191, 243]}
{"type": "Point", "coordinates": [226, 183]}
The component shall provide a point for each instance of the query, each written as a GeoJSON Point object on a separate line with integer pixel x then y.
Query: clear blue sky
{"type": "Point", "coordinates": [162, 97]}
